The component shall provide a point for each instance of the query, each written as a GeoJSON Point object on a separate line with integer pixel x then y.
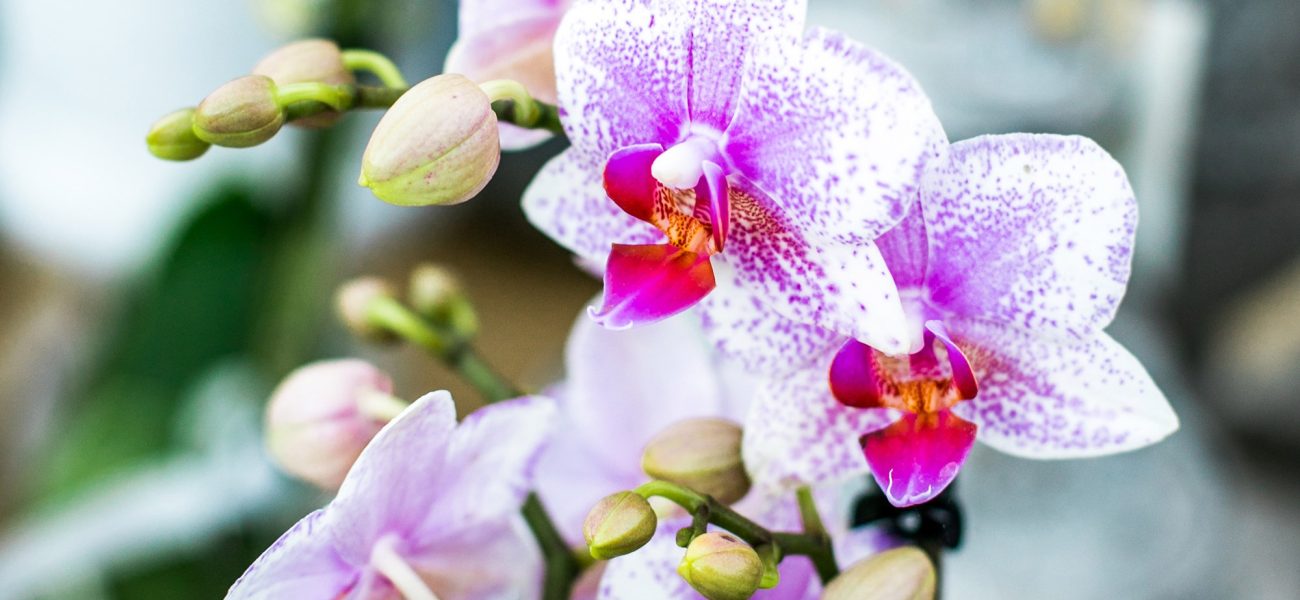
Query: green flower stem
{"type": "Point", "coordinates": [337, 97]}
{"type": "Point", "coordinates": [816, 545]}
{"type": "Point", "coordinates": [561, 564]}
{"type": "Point", "coordinates": [513, 104]}
{"type": "Point", "coordinates": [455, 352]}
{"type": "Point", "coordinates": [823, 560]}
{"type": "Point", "coordinates": [375, 63]}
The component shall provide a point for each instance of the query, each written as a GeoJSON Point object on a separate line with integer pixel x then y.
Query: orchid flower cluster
{"type": "Point", "coordinates": [804, 282]}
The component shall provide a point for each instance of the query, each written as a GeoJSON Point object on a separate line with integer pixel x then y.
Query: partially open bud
{"type": "Point", "coordinates": [619, 524]}
{"type": "Point", "coordinates": [900, 574]}
{"type": "Point", "coordinates": [172, 137]}
{"type": "Point", "coordinates": [721, 567]}
{"type": "Point", "coordinates": [438, 144]}
{"type": "Point", "coordinates": [314, 60]}
{"type": "Point", "coordinates": [701, 454]}
{"type": "Point", "coordinates": [352, 302]}
{"type": "Point", "coordinates": [323, 414]}
{"type": "Point", "coordinates": [239, 114]}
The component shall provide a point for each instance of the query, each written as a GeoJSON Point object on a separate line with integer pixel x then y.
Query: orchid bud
{"type": "Point", "coordinates": [314, 60]}
{"type": "Point", "coordinates": [323, 414]}
{"type": "Point", "coordinates": [701, 454]}
{"type": "Point", "coordinates": [352, 302]}
{"type": "Point", "coordinates": [172, 137]}
{"type": "Point", "coordinates": [239, 114]}
{"type": "Point", "coordinates": [900, 574]}
{"type": "Point", "coordinates": [619, 524]}
{"type": "Point", "coordinates": [438, 144]}
{"type": "Point", "coordinates": [435, 293]}
{"type": "Point", "coordinates": [721, 567]}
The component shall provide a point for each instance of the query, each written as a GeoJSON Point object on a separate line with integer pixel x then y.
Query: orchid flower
{"type": "Point", "coordinates": [1010, 270]}
{"type": "Point", "coordinates": [510, 39]}
{"type": "Point", "coordinates": [714, 141]}
{"type": "Point", "coordinates": [429, 510]}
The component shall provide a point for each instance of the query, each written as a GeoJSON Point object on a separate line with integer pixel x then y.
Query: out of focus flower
{"type": "Point", "coordinates": [429, 506]}
{"type": "Point", "coordinates": [1010, 270]}
{"type": "Point", "coordinates": [437, 145]}
{"type": "Point", "coordinates": [510, 39]}
{"type": "Point", "coordinates": [322, 415]}
{"type": "Point", "coordinates": [713, 140]}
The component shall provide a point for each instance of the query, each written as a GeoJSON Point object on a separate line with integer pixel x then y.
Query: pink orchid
{"type": "Point", "coordinates": [510, 39]}
{"type": "Point", "coordinates": [715, 145]}
{"type": "Point", "coordinates": [428, 506]}
{"type": "Point", "coordinates": [1009, 271]}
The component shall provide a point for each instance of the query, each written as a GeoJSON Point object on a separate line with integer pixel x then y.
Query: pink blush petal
{"type": "Point", "coordinates": [854, 379]}
{"type": "Point", "coordinates": [628, 180]}
{"type": "Point", "coordinates": [914, 459]}
{"type": "Point", "coordinates": [963, 377]}
{"type": "Point", "coordinates": [649, 283]}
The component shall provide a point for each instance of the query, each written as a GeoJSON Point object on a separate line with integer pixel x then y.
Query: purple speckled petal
{"type": "Point", "coordinates": [757, 337]}
{"type": "Point", "coordinates": [491, 460]}
{"type": "Point", "coordinates": [649, 283]}
{"type": "Point", "coordinates": [1044, 398]}
{"type": "Point", "coordinates": [567, 202]}
{"type": "Point", "coordinates": [301, 564]}
{"type": "Point", "coordinates": [387, 490]}
{"type": "Point", "coordinates": [509, 39]}
{"type": "Point", "coordinates": [914, 459]}
{"type": "Point", "coordinates": [837, 133]}
{"type": "Point", "coordinates": [621, 70]}
{"type": "Point", "coordinates": [1033, 230]}
{"type": "Point", "coordinates": [844, 288]}
{"type": "Point", "coordinates": [905, 249]}
{"type": "Point", "coordinates": [798, 434]}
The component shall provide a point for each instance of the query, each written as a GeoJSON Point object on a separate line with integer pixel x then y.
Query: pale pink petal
{"type": "Point", "coordinates": [484, 16]}
{"type": "Point", "coordinates": [837, 133]}
{"type": "Point", "coordinates": [844, 288]}
{"type": "Point", "coordinates": [567, 202]}
{"type": "Point", "coordinates": [760, 339]}
{"type": "Point", "coordinates": [649, 283]}
{"type": "Point", "coordinates": [919, 455]}
{"type": "Point", "coordinates": [1044, 398]}
{"type": "Point", "coordinates": [388, 487]}
{"type": "Point", "coordinates": [1033, 230]}
{"type": "Point", "coordinates": [514, 45]}
{"type": "Point", "coordinates": [798, 434]}
{"type": "Point", "coordinates": [301, 564]}
{"type": "Point", "coordinates": [490, 468]}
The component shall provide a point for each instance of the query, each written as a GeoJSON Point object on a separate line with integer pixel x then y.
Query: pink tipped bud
{"type": "Point", "coordinates": [619, 524]}
{"type": "Point", "coordinates": [305, 61]}
{"type": "Point", "coordinates": [437, 145]}
{"type": "Point", "coordinates": [702, 454]}
{"type": "Point", "coordinates": [239, 114]}
{"type": "Point", "coordinates": [323, 414]}
{"type": "Point", "coordinates": [899, 574]}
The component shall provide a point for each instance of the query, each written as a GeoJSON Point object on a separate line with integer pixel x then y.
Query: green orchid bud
{"type": "Point", "coordinates": [239, 114]}
{"type": "Point", "coordinates": [438, 144]}
{"type": "Point", "coordinates": [899, 574]}
{"type": "Point", "coordinates": [437, 294]}
{"type": "Point", "coordinates": [352, 302]}
{"type": "Point", "coordinates": [313, 60]}
{"type": "Point", "coordinates": [172, 137]}
{"type": "Point", "coordinates": [701, 454]}
{"type": "Point", "coordinates": [619, 524]}
{"type": "Point", "coordinates": [721, 567]}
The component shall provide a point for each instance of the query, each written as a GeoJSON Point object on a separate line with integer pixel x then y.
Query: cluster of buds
{"type": "Point", "coordinates": [371, 309]}
{"type": "Point", "coordinates": [704, 456]}
{"type": "Point", "coordinates": [251, 109]}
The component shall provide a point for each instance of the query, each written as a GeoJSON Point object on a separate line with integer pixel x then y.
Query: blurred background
{"type": "Point", "coordinates": [147, 308]}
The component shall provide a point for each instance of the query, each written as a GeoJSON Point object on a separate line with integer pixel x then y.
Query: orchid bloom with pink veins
{"type": "Point", "coordinates": [714, 140]}
{"type": "Point", "coordinates": [430, 510]}
{"type": "Point", "coordinates": [510, 39]}
{"type": "Point", "coordinates": [1009, 271]}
